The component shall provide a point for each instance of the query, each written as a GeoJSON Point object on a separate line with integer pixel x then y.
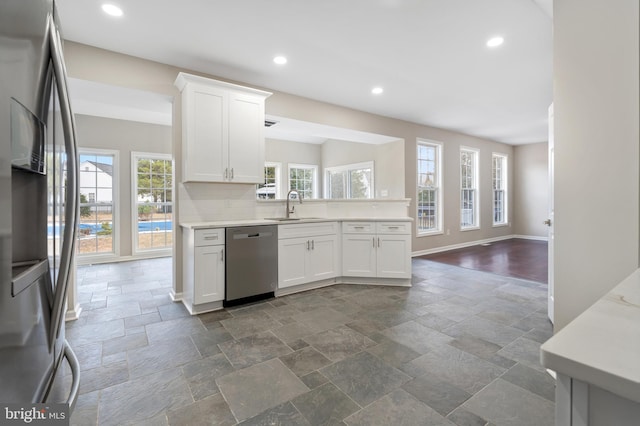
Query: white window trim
{"type": "Point", "coordinates": [86, 259]}
{"type": "Point", "coordinates": [134, 200]}
{"type": "Point", "coordinates": [505, 179]}
{"type": "Point", "coordinates": [278, 177]}
{"type": "Point", "coordinates": [440, 217]}
{"type": "Point", "coordinates": [314, 188]}
{"type": "Point", "coordinates": [347, 168]}
{"type": "Point", "coordinates": [476, 187]}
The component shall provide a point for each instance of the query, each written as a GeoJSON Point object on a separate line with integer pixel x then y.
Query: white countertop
{"type": "Point", "coordinates": [602, 345]}
{"type": "Point", "coordinates": [253, 222]}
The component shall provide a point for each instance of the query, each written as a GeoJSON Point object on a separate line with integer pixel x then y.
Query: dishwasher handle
{"type": "Point", "coordinates": [252, 235]}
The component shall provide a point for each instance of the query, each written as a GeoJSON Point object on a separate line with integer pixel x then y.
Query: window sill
{"type": "Point", "coordinates": [500, 225]}
{"type": "Point", "coordinates": [429, 234]}
{"type": "Point", "coordinates": [470, 228]}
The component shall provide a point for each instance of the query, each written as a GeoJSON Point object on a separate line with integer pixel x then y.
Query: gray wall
{"type": "Point", "coordinates": [596, 137]}
{"type": "Point", "coordinates": [124, 137]}
{"type": "Point", "coordinates": [531, 186]}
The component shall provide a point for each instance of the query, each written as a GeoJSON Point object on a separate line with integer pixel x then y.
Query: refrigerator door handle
{"type": "Point", "coordinates": [71, 207]}
{"type": "Point", "coordinates": [75, 373]}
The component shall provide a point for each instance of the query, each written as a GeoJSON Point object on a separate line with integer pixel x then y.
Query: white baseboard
{"type": "Point", "coordinates": [459, 246]}
{"type": "Point", "coordinates": [176, 297]}
{"type": "Point", "coordinates": [531, 237]}
{"type": "Point", "coordinates": [73, 314]}
{"type": "Point", "coordinates": [475, 243]}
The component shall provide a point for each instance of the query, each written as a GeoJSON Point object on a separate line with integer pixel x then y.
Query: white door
{"type": "Point", "coordinates": [550, 219]}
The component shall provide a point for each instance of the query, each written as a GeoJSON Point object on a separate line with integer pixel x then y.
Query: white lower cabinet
{"type": "Point", "coordinates": [376, 249]}
{"type": "Point", "coordinates": [203, 269]}
{"type": "Point", "coordinates": [307, 252]}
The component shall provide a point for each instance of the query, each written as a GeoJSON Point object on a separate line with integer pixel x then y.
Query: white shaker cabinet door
{"type": "Point", "coordinates": [206, 134]}
{"type": "Point", "coordinates": [208, 274]}
{"type": "Point", "coordinates": [359, 255]}
{"type": "Point", "coordinates": [323, 258]}
{"type": "Point", "coordinates": [292, 262]}
{"type": "Point", "coordinates": [393, 256]}
{"type": "Point", "coordinates": [246, 138]}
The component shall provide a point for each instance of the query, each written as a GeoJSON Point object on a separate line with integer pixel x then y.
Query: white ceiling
{"type": "Point", "coordinates": [429, 55]}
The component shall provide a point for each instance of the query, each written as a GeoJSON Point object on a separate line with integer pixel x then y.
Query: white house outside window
{"type": "Point", "coordinates": [270, 189]}
{"type": "Point", "coordinates": [98, 225]}
{"type": "Point", "coordinates": [429, 195]}
{"type": "Point", "coordinates": [469, 200]}
{"type": "Point", "coordinates": [349, 181]}
{"type": "Point", "coordinates": [499, 177]}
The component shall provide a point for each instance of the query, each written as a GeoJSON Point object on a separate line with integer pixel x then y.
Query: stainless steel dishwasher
{"type": "Point", "coordinates": [251, 263]}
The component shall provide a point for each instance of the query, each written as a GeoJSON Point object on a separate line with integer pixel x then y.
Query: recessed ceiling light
{"type": "Point", "coordinates": [280, 60]}
{"type": "Point", "coordinates": [495, 41]}
{"type": "Point", "coordinates": [111, 9]}
{"type": "Point", "coordinates": [377, 90]}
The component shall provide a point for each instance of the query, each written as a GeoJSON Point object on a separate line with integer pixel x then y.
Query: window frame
{"type": "Point", "coordinates": [152, 252]}
{"type": "Point", "coordinates": [504, 179]}
{"type": "Point", "coordinates": [314, 182]}
{"type": "Point", "coordinates": [114, 254]}
{"type": "Point", "coordinates": [475, 189]}
{"type": "Point", "coordinates": [438, 210]}
{"type": "Point", "coordinates": [348, 168]}
{"type": "Point", "coordinates": [277, 181]}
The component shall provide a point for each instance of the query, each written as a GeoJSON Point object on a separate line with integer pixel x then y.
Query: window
{"type": "Point", "coordinates": [499, 174]}
{"type": "Point", "coordinates": [429, 197]}
{"type": "Point", "coordinates": [270, 189]}
{"type": "Point", "coordinates": [349, 181]}
{"type": "Point", "coordinates": [153, 201]}
{"type": "Point", "coordinates": [97, 182]}
{"type": "Point", "coordinates": [303, 179]}
{"type": "Point", "coordinates": [468, 188]}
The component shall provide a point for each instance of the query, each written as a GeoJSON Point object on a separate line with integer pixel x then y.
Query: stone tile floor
{"type": "Point", "coordinates": [458, 348]}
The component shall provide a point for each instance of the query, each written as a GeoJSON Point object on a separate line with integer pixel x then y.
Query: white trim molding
{"type": "Point", "coordinates": [474, 243]}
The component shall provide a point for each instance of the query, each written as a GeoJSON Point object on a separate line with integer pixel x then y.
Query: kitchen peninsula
{"type": "Point", "coordinates": [597, 361]}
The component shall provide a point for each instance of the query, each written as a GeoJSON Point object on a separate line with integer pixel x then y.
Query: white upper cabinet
{"type": "Point", "coordinates": [222, 131]}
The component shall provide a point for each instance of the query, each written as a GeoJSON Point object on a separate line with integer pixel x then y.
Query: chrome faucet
{"type": "Point", "coordinates": [292, 209]}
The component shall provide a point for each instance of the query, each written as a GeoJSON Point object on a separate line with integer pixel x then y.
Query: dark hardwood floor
{"type": "Point", "coordinates": [517, 258]}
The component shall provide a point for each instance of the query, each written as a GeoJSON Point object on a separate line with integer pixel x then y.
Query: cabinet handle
{"type": "Point", "coordinates": [378, 241]}
{"type": "Point", "coordinates": [226, 173]}
{"type": "Point", "coordinates": [232, 173]}
{"type": "Point", "coordinates": [211, 237]}
{"type": "Point", "coordinates": [313, 245]}
{"type": "Point", "coordinates": [394, 227]}
{"type": "Point", "coordinates": [307, 244]}
{"type": "Point", "coordinates": [374, 241]}
{"type": "Point", "coordinates": [222, 257]}
{"type": "Point", "coordinates": [358, 227]}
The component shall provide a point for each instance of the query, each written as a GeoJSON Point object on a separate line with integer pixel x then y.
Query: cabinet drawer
{"type": "Point", "coordinates": [307, 229]}
{"type": "Point", "coordinates": [358, 227]}
{"type": "Point", "coordinates": [209, 237]}
{"type": "Point", "coordinates": [393, 227]}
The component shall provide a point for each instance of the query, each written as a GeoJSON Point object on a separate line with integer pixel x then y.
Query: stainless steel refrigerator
{"type": "Point", "coordinates": [38, 210]}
